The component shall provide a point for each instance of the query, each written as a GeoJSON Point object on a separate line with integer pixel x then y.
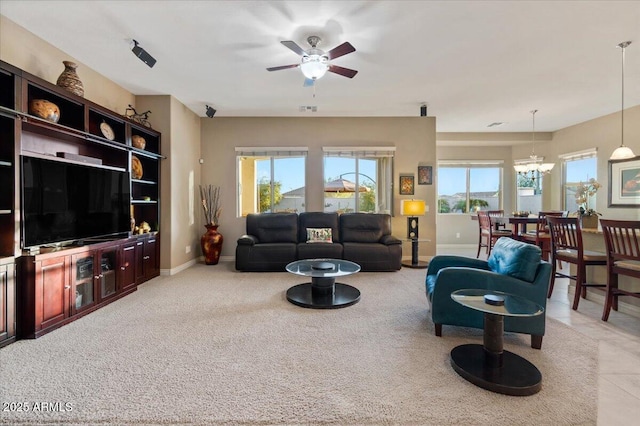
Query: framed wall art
{"type": "Point", "coordinates": [425, 175]}
{"type": "Point", "coordinates": [406, 184]}
{"type": "Point", "coordinates": [624, 182]}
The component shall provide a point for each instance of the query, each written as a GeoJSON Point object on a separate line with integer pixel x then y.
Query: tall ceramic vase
{"type": "Point", "coordinates": [211, 243]}
{"type": "Point", "coordinates": [69, 79]}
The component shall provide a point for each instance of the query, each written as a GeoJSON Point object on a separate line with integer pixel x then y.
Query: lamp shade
{"type": "Point", "coordinates": [622, 153]}
{"type": "Point", "coordinates": [412, 208]}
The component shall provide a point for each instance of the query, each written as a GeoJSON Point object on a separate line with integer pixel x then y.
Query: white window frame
{"type": "Point", "coordinates": [567, 186]}
{"type": "Point", "coordinates": [265, 152]}
{"type": "Point", "coordinates": [468, 165]}
{"type": "Point", "coordinates": [384, 185]}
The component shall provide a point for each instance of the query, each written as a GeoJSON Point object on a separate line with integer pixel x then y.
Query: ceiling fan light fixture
{"type": "Point", "coordinates": [314, 66]}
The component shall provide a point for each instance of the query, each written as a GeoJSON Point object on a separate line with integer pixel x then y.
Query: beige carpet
{"type": "Point", "coordinates": [214, 346]}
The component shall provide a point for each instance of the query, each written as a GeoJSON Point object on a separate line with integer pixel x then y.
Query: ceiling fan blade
{"type": "Point", "coordinates": [341, 50]}
{"type": "Point", "coordinates": [346, 72]}
{"type": "Point", "coordinates": [308, 82]}
{"type": "Point", "coordinates": [293, 46]}
{"type": "Point", "coordinates": [283, 67]}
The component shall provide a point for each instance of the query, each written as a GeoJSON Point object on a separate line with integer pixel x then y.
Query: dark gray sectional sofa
{"type": "Point", "coordinates": [275, 239]}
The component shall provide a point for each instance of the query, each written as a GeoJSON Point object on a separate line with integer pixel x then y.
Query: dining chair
{"type": "Point", "coordinates": [566, 246]}
{"type": "Point", "coordinates": [622, 239]}
{"type": "Point", "coordinates": [540, 236]}
{"type": "Point", "coordinates": [494, 215]}
{"type": "Point", "coordinates": [487, 232]}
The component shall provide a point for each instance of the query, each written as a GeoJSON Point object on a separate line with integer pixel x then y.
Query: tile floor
{"type": "Point", "coordinates": [619, 343]}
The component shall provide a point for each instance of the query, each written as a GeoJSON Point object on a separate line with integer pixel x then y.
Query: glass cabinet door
{"type": "Point", "coordinates": [83, 281]}
{"type": "Point", "coordinates": [107, 273]}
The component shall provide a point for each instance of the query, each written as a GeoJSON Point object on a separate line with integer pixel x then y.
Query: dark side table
{"type": "Point", "coordinates": [488, 365]}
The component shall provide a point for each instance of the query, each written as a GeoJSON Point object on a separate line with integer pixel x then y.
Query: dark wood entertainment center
{"type": "Point", "coordinates": [42, 288]}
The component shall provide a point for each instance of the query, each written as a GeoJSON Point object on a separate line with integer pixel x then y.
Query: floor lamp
{"type": "Point", "coordinates": [413, 209]}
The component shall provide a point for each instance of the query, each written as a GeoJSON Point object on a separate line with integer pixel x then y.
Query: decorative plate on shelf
{"type": "Point", "coordinates": [107, 131]}
{"type": "Point", "coordinates": [136, 167]}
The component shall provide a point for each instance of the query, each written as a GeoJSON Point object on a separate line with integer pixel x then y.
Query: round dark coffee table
{"type": "Point", "coordinates": [489, 366]}
{"type": "Point", "coordinates": [323, 292]}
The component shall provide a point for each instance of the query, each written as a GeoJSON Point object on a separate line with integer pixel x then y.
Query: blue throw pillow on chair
{"type": "Point", "coordinates": [515, 258]}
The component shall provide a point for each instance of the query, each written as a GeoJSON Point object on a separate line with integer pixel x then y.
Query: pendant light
{"type": "Point", "coordinates": [622, 152]}
{"type": "Point", "coordinates": [533, 164]}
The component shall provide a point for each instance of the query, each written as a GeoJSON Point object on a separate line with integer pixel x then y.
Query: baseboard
{"type": "Point", "coordinates": [179, 268]}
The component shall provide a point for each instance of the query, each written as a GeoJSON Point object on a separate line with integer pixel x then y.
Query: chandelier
{"type": "Point", "coordinates": [533, 166]}
{"type": "Point", "coordinates": [622, 152]}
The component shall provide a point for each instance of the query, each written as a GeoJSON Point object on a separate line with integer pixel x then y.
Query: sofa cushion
{"type": "Point", "coordinates": [515, 258]}
{"type": "Point", "coordinates": [319, 235]}
{"type": "Point", "coordinates": [273, 227]}
{"type": "Point", "coordinates": [319, 251]}
{"type": "Point", "coordinates": [364, 227]}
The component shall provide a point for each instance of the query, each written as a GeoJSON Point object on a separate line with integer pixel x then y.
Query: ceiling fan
{"type": "Point", "coordinates": [316, 62]}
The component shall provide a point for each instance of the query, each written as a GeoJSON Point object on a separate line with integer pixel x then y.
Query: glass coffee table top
{"type": "Point", "coordinates": [499, 303]}
{"type": "Point", "coordinates": [323, 292]}
{"type": "Point", "coordinates": [323, 267]}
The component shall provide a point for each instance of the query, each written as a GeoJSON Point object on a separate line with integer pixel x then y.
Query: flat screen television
{"type": "Point", "coordinates": [63, 202]}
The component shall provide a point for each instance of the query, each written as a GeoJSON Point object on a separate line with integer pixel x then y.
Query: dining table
{"type": "Point", "coordinates": [518, 223]}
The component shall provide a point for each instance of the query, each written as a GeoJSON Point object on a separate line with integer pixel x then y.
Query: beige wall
{"type": "Point", "coordinates": [603, 133]}
{"type": "Point", "coordinates": [414, 139]}
{"type": "Point", "coordinates": [30, 53]}
{"type": "Point", "coordinates": [179, 218]}
{"type": "Point", "coordinates": [186, 138]}
{"type": "Point", "coordinates": [180, 176]}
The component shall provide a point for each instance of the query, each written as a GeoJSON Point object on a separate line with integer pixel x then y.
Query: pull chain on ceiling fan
{"type": "Point", "coordinates": [315, 62]}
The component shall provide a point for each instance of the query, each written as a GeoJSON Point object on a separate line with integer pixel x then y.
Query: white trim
{"type": "Point", "coordinates": [357, 148]}
{"type": "Point", "coordinates": [271, 148]}
{"type": "Point", "coordinates": [180, 268]}
{"type": "Point", "coordinates": [470, 163]}
{"type": "Point", "coordinates": [585, 153]}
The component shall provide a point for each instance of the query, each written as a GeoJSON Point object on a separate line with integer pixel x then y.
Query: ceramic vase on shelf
{"type": "Point", "coordinates": [69, 79]}
{"type": "Point", "coordinates": [211, 243]}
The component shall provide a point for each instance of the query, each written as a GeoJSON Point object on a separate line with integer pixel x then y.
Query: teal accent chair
{"type": "Point", "coordinates": [513, 267]}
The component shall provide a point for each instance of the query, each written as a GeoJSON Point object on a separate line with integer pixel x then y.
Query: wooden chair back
{"type": "Point", "coordinates": [622, 239]}
{"type": "Point", "coordinates": [484, 221]}
{"type": "Point", "coordinates": [565, 234]}
{"type": "Point", "coordinates": [541, 225]}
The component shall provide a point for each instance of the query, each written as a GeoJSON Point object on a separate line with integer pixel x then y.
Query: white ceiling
{"type": "Point", "coordinates": [472, 62]}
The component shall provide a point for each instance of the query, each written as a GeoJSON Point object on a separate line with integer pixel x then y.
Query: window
{"type": "Point", "coordinates": [270, 180]}
{"type": "Point", "coordinates": [529, 192]}
{"type": "Point", "coordinates": [467, 186]}
{"type": "Point", "coordinates": [358, 179]}
{"type": "Point", "coordinates": [578, 167]}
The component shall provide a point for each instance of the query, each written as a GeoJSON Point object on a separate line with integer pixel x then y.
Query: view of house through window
{"type": "Point", "coordinates": [358, 180]}
{"type": "Point", "coordinates": [529, 195]}
{"type": "Point", "coordinates": [465, 187]}
{"type": "Point", "coordinates": [578, 168]}
{"type": "Point", "coordinates": [271, 180]}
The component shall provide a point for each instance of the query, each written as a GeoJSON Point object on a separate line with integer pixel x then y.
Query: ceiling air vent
{"type": "Point", "coordinates": [308, 108]}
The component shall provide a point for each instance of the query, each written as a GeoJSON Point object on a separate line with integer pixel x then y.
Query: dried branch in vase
{"type": "Point", "coordinates": [210, 196]}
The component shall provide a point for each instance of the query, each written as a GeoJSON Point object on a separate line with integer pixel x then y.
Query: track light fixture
{"type": "Point", "coordinates": [143, 54]}
{"type": "Point", "coordinates": [210, 111]}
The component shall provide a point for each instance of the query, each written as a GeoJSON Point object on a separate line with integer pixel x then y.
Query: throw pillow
{"type": "Point", "coordinates": [319, 235]}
